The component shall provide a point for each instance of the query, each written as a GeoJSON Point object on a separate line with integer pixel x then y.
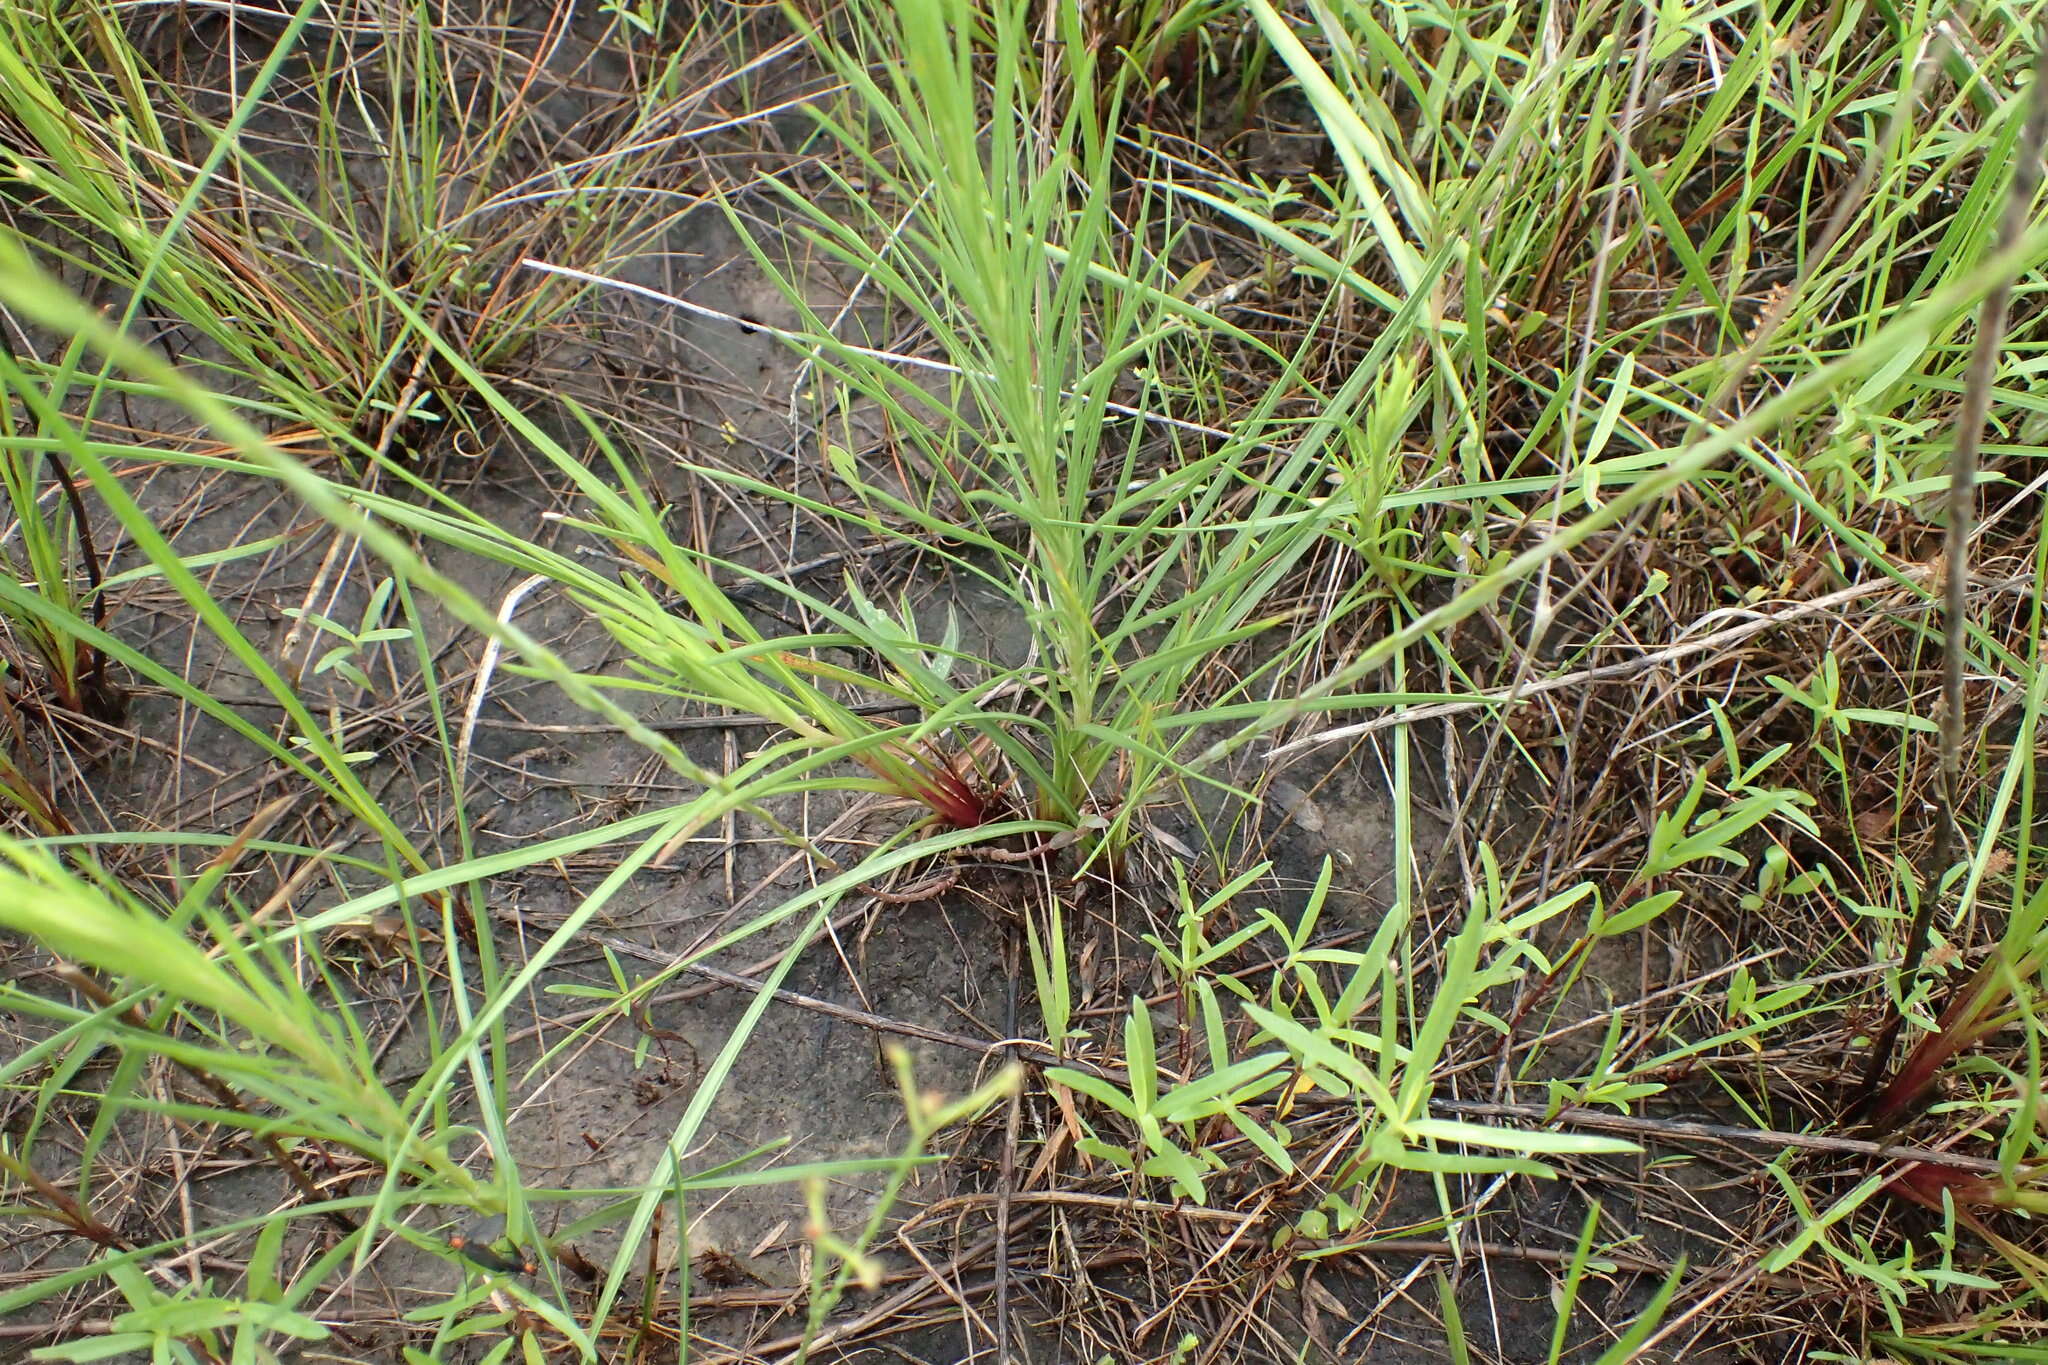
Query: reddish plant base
{"type": "Point", "coordinates": [954, 801]}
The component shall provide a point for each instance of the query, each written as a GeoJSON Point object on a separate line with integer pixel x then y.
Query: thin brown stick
{"type": "Point", "coordinates": [1962, 517]}
{"type": "Point", "coordinates": [1716, 643]}
{"type": "Point", "coordinates": [62, 1206]}
{"type": "Point", "coordinates": [1593, 1120]}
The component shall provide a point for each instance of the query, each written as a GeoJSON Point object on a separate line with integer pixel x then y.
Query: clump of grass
{"type": "Point", "coordinates": [1540, 401]}
{"type": "Point", "coordinates": [282, 273]}
{"type": "Point", "coordinates": [1055, 443]}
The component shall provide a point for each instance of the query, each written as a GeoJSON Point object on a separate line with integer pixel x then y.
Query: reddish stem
{"type": "Point", "coordinates": [1963, 1024]}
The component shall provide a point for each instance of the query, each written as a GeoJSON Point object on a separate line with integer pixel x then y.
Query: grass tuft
{"type": "Point", "coordinates": [1328, 642]}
